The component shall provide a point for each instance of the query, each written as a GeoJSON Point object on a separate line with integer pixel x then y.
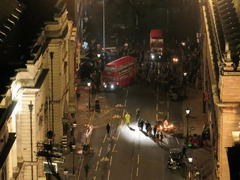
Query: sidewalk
{"type": "Point", "coordinates": [82, 134]}
{"type": "Point", "coordinates": [202, 157]}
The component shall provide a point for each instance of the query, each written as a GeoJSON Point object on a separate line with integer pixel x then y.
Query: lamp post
{"type": "Point", "coordinates": [187, 116]}
{"type": "Point", "coordinates": [104, 45]}
{"type": "Point", "coordinates": [51, 56]}
{"type": "Point", "coordinates": [190, 160]}
{"type": "Point", "coordinates": [89, 85]}
{"type": "Point", "coordinates": [65, 172]}
{"type": "Point", "coordinates": [184, 82]}
{"type": "Point", "coordinates": [31, 109]}
{"type": "Point", "coordinates": [73, 151]}
{"type": "Point", "coordinates": [73, 144]}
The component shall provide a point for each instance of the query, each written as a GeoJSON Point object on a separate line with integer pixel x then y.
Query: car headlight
{"type": "Point", "coordinates": [152, 56]}
{"type": "Point", "coordinates": [112, 86]}
{"type": "Point", "coordinates": [105, 86]}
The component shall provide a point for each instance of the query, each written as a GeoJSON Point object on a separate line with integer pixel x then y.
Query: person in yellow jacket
{"type": "Point", "coordinates": [127, 117]}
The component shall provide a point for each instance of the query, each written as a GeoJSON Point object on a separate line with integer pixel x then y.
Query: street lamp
{"type": "Point", "coordinates": [104, 45]}
{"type": "Point", "coordinates": [184, 82]}
{"type": "Point", "coordinates": [190, 160]}
{"type": "Point", "coordinates": [73, 151]}
{"type": "Point", "coordinates": [31, 109]}
{"type": "Point", "coordinates": [51, 56]}
{"type": "Point", "coordinates": [73, 144]}
{"type": "Point", "coordinates": [187, 116]}
{"type": "Point", "coordinates": [89, 84]}
{"type": "Point", "coordinates": [65, 172]}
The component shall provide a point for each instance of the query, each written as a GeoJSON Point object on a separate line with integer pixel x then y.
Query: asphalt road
{"type": "Point", "coordinates": [132, 154]}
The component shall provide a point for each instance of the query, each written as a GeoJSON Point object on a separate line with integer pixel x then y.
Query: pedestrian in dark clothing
{"type": "Point", "coordinates": [155, 130]}
{"type": "Point", "coordinates": [141, 125]}
{"type": "Point", "coordinates": [184, 151]}
{"type": "Point", "coordinates": [146, 126]}
{"type": "Point", "coordinates": [86, 167]}
{"type": "Point", "coordinates": [108, 127]}
{"type": "Point", "coordinates": [137, 113]}
{"type": "Point", "coordinates": [161, 137]}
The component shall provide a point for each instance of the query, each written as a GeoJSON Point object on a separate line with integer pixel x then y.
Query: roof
{"type": "Point", "coordinates": [156, 34]}
{"type": "Point", "coordinates": [121, 61]}
{"type": "Point", "coordinates": [19, 34]}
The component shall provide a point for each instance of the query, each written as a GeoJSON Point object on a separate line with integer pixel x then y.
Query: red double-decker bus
{"type": "Point", "coordinates": [119, 73]}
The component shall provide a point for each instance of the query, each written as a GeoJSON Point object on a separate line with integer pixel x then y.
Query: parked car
{"type": "Point", "coordinates": [175, 158]}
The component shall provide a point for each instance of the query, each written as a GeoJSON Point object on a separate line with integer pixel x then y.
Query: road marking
{"type": "Point", "coordinates": [157, 107]}
{"type": "Point", "coordinates": [177, 140]}
{"type": "Point", "coordinates": [125, 103]}
{"type": "Point", "coordinates": [100, 151]}
{"type": "Point", "coordinates": [94, 177]}
{"type": "Point", "coordinates": [137, 172]}
{"type": "Point", "coordinates": [168, 104]}
{"type": "Point", "coordinates": [111, 161]}
{"type": "Point", "coordinates": [108, 175]}
{"type": "Point", "coordinates": [166, 140]}
{"type": "Point", "coordinates": [113, 149]}
{"type": "Point", "coordinates": [168, 115]}
{"type": "Point", "coordinates": [123, 113]}
{"type": "Point", "coordinates": [97, 166]}
{"type": "Point", "coordinates": [160, 112]}
{"type": "Point", "coordinates": [105, 138]}
{"type": "Point", "coordinates": [156, 117]}
{"type": "Point", "coordinates": [161, 102]}
{"type": "Point", "coordinates": [118, 135]}
{"type": "Point", "coordinates": [138, 159]}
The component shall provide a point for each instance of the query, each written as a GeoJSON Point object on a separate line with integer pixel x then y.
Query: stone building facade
{"type": "Point", "coordinates": [48, 83]}
{"type": "Point", "coordinates": [220, 29]}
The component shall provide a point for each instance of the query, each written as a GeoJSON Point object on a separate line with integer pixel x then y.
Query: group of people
{"type": "Point", "coordinates": [152, 132]}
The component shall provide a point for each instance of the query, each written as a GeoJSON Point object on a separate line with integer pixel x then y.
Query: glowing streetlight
{"type": "Point", "coordinates": [89, 85]}
{"type": "Point", "coordinates": [187, 116]}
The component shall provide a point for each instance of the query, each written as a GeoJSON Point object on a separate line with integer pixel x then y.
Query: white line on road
{"type": "Point", "coordinates": [177, 140]}
{"type": "Point", "coordinates": [94, 177]}
{"type": "Point", "coordinates": [137, 172]}
{"type": "Point", "coordinates": [118, 135]}
{"type": "Point", "coordinates": [97, 166]}
{"type": "Point", "coordinates": [166, 140]}
{"type": "Point", "coordinates": [100, 151]}
{"type": "Point", "coordinates": [113, 149]}
{"type": "Point", "coordinates": [157, 107]}
{"type": "Point", "coordinates": [138, 159]}
{"type": "Point", "coordinates": [156, 117]}
{"type": "Point", "coordinates": [111, 161]}
{"type": "Point", "coordinates": [105, 138]}
{"type": "Point", "coordinates": [125, 103]}
{"type": "Point", "coordinates": [108, 175]}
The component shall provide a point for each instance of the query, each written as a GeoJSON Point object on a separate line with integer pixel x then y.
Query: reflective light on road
{"type": "Point", "coordinates": [132, 135]}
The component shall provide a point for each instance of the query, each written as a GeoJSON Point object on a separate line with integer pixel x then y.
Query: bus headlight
{"type": "Point", "coordinates": [152, 56]}
{"type": "Point", "coordinates": [112, 86]}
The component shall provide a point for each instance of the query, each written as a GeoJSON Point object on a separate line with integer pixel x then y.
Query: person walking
{"type": "Point", "coordinates": [141, 124]}
{"type": "Point", "coordinates": [154, 131]}
{"type": "Point", "coordinates": [86, 168]}
{"type": "Point", "coordinates": [108, 127]}
{"type": "Point", "coordinates": [161, 137]}
{"type": "Point", "coordinates": [137, 113]}
{"type": "Point", "coordinates": [127, 117]}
